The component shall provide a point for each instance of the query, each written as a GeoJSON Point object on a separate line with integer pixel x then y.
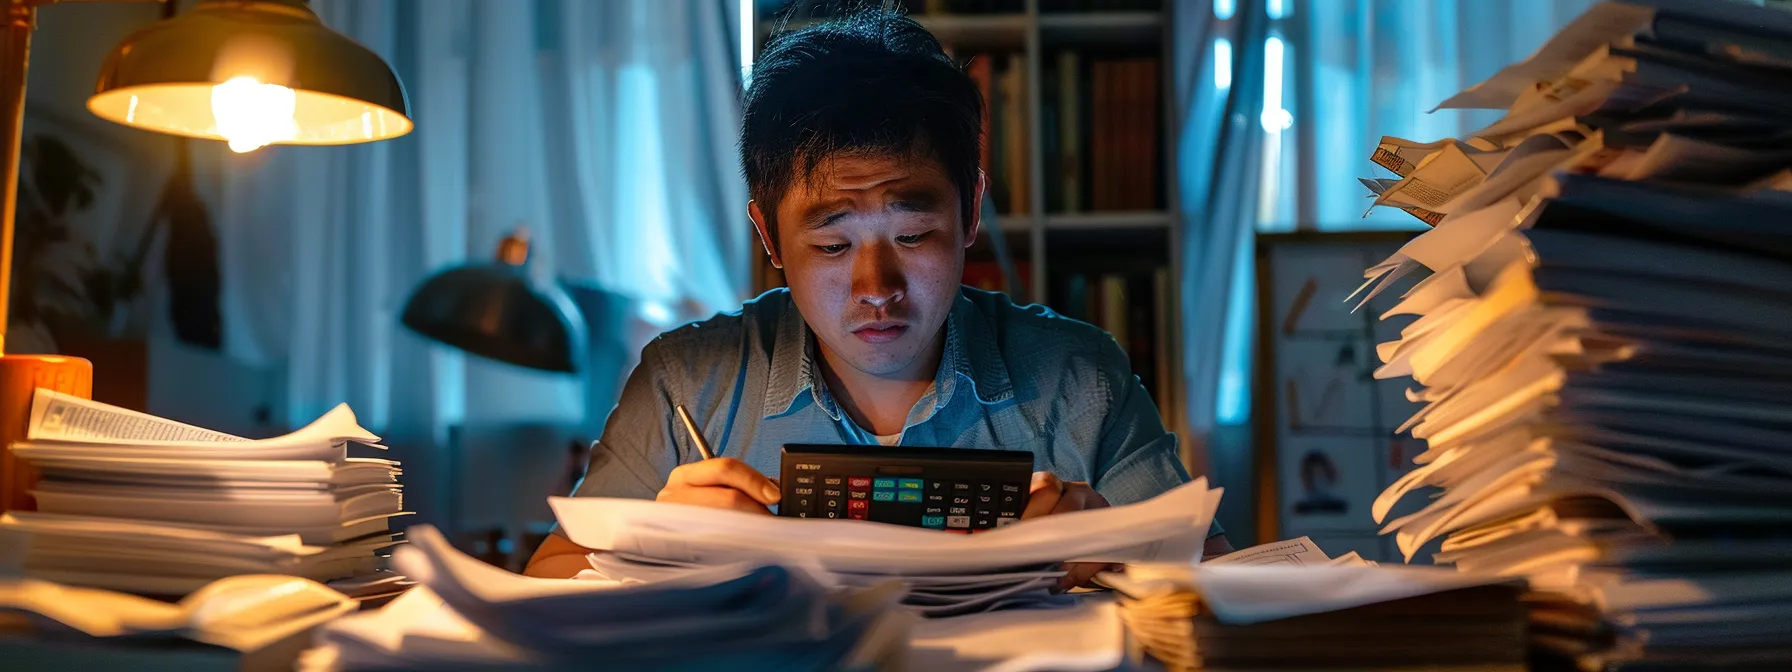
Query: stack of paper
{"type": "Point", "coordinates": [467, 614]}
{"type": "Point", "coordinates": [141, 504]}
{"type": "Point", "coordinates": [1603, 346]}
{"type": "Point", "coordinates": [945, 574]}
{"type": "Point", "coordinates": [1280, 615]}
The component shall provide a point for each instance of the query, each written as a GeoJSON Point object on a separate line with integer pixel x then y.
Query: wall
{"type": "Point", "coordinates": [165, 376]}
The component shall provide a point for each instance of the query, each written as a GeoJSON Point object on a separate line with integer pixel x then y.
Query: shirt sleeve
{"type": "Point", "coordinates": [638, 450]}
{"type": "Point", "coordinates": [1137, 459]}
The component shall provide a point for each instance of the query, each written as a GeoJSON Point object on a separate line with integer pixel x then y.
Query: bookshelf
{"type": "Point", "coordinates": [1095, 236]}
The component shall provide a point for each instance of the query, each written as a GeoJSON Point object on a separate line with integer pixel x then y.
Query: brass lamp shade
{"type": "Point", "coordinates": [252, 73]}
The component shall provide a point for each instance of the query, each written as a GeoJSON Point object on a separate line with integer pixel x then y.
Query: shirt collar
{"type": "Point", "coordinates": [971, 356]}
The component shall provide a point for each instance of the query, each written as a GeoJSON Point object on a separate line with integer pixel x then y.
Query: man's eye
{"type": "Point", "coordinates": [831, 249]}
{"type": "Point", "coordinates": [911, 239]}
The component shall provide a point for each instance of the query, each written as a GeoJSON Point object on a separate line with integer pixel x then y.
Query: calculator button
{"type": "Point", "coordinates": [985, 511]}
{"type": "Point", "coordinates": [958, 511]}
{"type": "Point", "coordinates": [805, 503]}
{"type": "Point", "coordinates": [985, 488]}
{"type": "Point", "coordinates": [832, 481]}
{"type": "Point", "coordinates": [1005, 521]}
{"type": "Point", "coordinates": [860, 514]}
{"type": "Point", "coordinates": [934, 486]}
{"type": "Point", "coordinates": [857, 505]}
{"type": "Point", "coordinates": [960, 522]}
{"type": "Point", "coordinates": [982, 522]}
{"type": "Point", "coordinates": [833, 493]}
{"type": "Point", "coordinates": [961, 487]}
{"type": "Point", "coordinates": [884, 496]}
{"type": "Point", "coordinates": [961, 501]}
{"type": "Point", "coordinates": [1011, 488]}
{"type": "Point", "coordinates": [933, 522]}
{"type": "Point", "coordinates": [985, 500]}
{"type": "Point", "coordinates": [805, 480]}
{"type": "Point", "coordinates": [934, 498]}
{"type": "Point", "coordinates": [858, 483]}
{"type": "Point", "coordinates": [908, 496]}
{"type": "Point", "coordinates": [857, 494]}
{"type": "Point", "coordinates": [908, 484]}
{"type": "Point", "coordinates": [831, 503]}
{"type": "Point", "coordinates": [801, 492]}
{"type": "Point", "coordinates": [933, 511]}
{"type": "Point", "coordinates": [831, 514]}
{"type": "Point", "coordinates": [884, 483]}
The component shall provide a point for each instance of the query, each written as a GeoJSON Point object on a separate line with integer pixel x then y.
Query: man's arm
{"type": "Point", "coordinates": [1137, 459]}
{"type": "Point", "coordinates": [634, 457]}
{"type": "Point", "coordinates": [645, 454]}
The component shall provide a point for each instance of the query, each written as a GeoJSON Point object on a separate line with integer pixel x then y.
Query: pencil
{"type": "Point", "coordinates": [697, 438]}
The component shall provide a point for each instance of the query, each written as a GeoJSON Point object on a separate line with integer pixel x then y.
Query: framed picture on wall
{"type": "Point", "coordinates": [1324, 429]}
{"type": "Point", "coordinates": [85, 250]}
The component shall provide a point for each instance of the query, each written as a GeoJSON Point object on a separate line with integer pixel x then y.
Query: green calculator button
{"type": "Point", "coordinates": [884, 483]}
{"type": "Point", "coordinates": [883, 495]}
{"type": "Point", "coordinates": [908, 496]}
{"type": "Point", "coordinates": [910, 484]}
{"type": "Point", "coordinates": [935, 522]}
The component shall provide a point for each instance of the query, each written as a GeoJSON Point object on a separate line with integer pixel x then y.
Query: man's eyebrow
{"type": "Point", "coordinates": [822, 214]}
{"type": "Point", "coordinates": [917, 199]}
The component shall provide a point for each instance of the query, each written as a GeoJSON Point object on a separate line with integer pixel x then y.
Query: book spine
{"type": "Point", "coordinates": [1069, 132]}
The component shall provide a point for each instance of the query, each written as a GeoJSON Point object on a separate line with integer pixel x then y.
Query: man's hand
{"type": "Point", "coordinates": [722, 483]}
{"type": "Point", "coordinates": [1050, 495]}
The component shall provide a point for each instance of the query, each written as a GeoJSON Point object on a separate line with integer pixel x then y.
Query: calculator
{"type": "Point", "coordinates": [957, 489]}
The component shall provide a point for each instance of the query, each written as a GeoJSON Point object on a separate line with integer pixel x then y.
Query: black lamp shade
{"type": "Point", "coordinates": [496, 310]}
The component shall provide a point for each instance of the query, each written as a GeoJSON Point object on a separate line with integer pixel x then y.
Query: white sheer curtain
{"type": "Point", "coordinates": [606, 128]}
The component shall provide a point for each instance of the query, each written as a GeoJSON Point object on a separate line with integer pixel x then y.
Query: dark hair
{"type": "Point", "coordinates": [871, 82]}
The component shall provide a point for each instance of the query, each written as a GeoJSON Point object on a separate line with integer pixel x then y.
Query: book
{"type": "Point", "coordinates": [1243, 610]}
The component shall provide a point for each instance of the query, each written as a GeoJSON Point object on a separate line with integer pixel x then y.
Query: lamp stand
{"type": "Point", "coordinates": [21, 375]}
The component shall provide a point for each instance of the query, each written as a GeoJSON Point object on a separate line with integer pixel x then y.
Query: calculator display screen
{"type": "Point", "coordinates": [956, 489]}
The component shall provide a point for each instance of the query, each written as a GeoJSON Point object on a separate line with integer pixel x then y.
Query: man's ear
{"type": "Point", "coordinates": [758, 217]}
{"type": "Point", "coordinates": [970, 232]}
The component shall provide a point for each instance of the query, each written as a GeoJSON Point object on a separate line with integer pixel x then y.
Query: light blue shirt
{"type": "Point", "coordinates": [1011, 378]}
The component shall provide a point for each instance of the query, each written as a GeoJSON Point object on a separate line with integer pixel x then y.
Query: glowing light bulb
{"type": "Point", "coordinates": [251, 115]}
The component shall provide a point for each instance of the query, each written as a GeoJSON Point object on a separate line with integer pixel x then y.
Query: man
{"type": "Point", "coordinates": [860, 148]}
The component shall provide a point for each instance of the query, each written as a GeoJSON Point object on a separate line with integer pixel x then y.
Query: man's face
{"type": "Point", "coordinates": [873, 252]}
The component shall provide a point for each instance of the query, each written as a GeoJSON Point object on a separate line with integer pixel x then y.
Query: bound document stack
{"type": "Point", "coordinates": [1603, 346]}
{"type": "Point", "coordinates": [466, 614]}
{"type": "Point", "coordinates": [146, 505]}
{"type": "Point", "coordinates": [1259, 615]}
{"type": "Point", "coordinates": [945, 574]}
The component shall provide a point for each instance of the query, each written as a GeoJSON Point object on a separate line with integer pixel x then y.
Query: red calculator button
{"type": "Point", "coordinates": [858, 483]}
{"type": "Point", "coordinates": [857, 514]}
{"type": "Point", "coordinates": [857, 505]}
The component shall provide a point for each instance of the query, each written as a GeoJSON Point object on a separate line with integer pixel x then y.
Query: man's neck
{"type": "Point", "coordinates": [880, 404]}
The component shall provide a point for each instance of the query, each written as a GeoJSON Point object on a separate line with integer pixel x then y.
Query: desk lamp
{"type": "Point", "coordinates": [251, 73]}
{"type": "Point", "coordinates": [499, 310]}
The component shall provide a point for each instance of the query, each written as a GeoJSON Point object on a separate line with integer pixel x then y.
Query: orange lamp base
{"type": "Point", "coordinates": [20, 376]}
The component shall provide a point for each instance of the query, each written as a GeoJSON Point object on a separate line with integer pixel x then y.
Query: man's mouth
{"type": "Point", "coordinates": [880, 332]}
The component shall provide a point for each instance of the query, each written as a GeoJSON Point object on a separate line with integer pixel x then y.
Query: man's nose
{"type": "Point", "coordinates": [877, 278]}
